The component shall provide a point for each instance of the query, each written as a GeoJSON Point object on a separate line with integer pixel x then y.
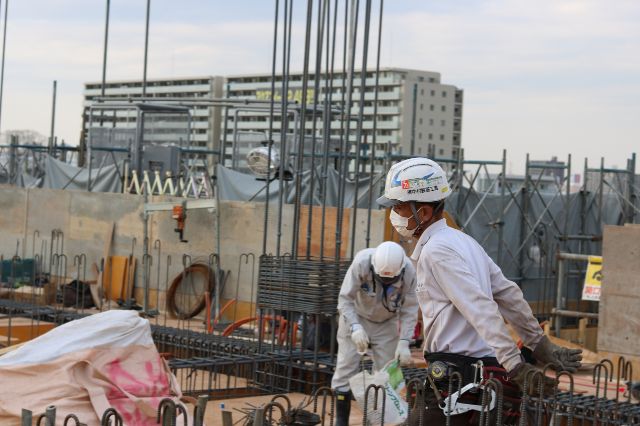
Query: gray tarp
{"type": "Point", "coordinates": [243, 187]}
{"type": "Point", "coordinates": [532, 240]}
{"type": "Point", "coordinates": [60, 175]}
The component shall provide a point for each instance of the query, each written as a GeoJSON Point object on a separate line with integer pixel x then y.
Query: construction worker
{"type": "Point", "coordinates": [463, 295]}
{"type": "Point", "coordinates": [378, 308]}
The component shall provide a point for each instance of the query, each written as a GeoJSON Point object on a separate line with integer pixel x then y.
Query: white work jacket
{"type": "Point", "coordinates": [465, 298]}
{"type": "Point", "coordinates": [360, 298]}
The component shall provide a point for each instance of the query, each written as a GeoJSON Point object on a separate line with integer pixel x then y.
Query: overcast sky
{"type": "Point", "coordinates": [548, 77]}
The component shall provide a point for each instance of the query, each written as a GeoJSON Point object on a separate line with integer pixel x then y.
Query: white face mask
{"type": "Point", "coordinates": [400, 224]}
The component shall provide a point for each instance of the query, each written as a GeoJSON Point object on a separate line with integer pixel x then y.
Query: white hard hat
{"type": "Point", "coordinates": [416, 179]}
{"type": "Point", "coordinates": [388, 260]}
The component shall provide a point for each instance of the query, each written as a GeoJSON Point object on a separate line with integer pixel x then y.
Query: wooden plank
{"type": "Point", "coordinates": [24, 329]}
{"type": "Point", "coordinates": [331, 222]}
{"type": "Point", "coordinates": [4, 341]}
{"type": "Point", "coordinates": [116, 272]}
{"type": "Point", "coordinates": [105, 255]}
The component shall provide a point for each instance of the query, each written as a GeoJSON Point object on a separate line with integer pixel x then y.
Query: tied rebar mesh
{"type": "Point", "coordinates": [300, 285]}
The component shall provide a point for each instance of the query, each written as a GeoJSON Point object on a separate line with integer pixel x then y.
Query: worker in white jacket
{"type": "Point", "coordinates": [463, 295]}
{"type": "Point", "coordinates": [378, 308]}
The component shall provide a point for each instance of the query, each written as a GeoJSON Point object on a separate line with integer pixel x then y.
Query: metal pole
{"type": "Point", "coordinates": [13, 162]}
{"type": "Point", "coordinates": [146, 49]}
{"type": "Point", "coordinates": [557, 320]}
{"type": "Point", "coordinates": [145, 252]}
{"type": "Point", "coordinates": [53, 117]}
{"type": "Point", "coordinates": [523, 221]}
{"type": "Point", "coordinates": [500, 222]}
{"type": "Point", "coordinates": [601, 198]}
{"type": "Point", "coordinates": [4, 44]}
{"type": "Point", "coordinates": [632, 195]}
{"type": "Point", "coordinates": [104, 56]}
{"type": "Point", "coordinates": [567, 203]}
{"type": "Point", "coordinates": [413, 119]}
{"type": "Point", "coordinates": [223, 143]}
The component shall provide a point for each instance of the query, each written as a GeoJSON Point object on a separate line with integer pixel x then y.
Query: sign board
{"type": "Point", "coordinates": [593, 279]}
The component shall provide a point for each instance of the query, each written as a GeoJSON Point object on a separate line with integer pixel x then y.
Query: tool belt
{"type": "Point", "coordinates": [441, 365]}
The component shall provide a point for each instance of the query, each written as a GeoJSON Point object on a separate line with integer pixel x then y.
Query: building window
{"type": "Point", "coordinates": [441, 137]}
{"type": "Point", "coordinates": [444, 108]}
{"type": "Point", "coordinates": [419, 135]}
{"type": "Point", "coordinates": [420, 120]}
{"type": "Point", "coordinates": [444, 94]}
{"type": "Point", "coordinates": [421, 107]}
{"type": "Point", "coordinates": [431, 107]}
{"type": "Point", "coordinates": [421, 92]}
{"type": "Point", "coordinates": [430, 136]}
{"type": "Point", "coordinates": [441, 151]}
{"type": "Point", "coordinates": [431, 121]}
{"type": "Point", "coordinates": [433, 92]}
{"type": "Point", "coordinates": [442, 122]}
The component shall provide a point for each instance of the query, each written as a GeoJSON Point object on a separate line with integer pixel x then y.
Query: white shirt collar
{"type": "Point", "coordinates": [426, 235]}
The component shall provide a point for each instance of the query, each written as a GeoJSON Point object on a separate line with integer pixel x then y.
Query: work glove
{"type": "Point", "coordinates": [403, 354]}
{"type": "Point", "coordinates": [359, 338]}
{"type": "Point", "coordinates": [562, 358]}
{"type": "Point", "coordinates": [522, 370]}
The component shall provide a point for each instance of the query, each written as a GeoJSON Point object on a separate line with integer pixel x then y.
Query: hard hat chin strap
{"type": "Point", "coordinates": [424, 224]}
{"type": "Point", "coordinates": [414, 211]}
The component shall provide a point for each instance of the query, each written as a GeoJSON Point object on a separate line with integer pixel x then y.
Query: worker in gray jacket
{"type": "Point", "coordinates": [463, 295]}
{"type": "Point", "coordinates": [378, 308]}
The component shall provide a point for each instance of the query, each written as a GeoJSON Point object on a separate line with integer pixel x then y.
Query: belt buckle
{"type": "Point", "coordinates": [438, 370]}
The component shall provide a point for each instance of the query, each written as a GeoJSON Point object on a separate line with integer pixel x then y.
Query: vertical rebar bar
{"type": "Point", "coordinates": [328, 116]}
{"type": "Point", "coordinates": [146, 50]}
{"type": "Point", "coordinates": [300, 153]}
{"type": "Point", "coordinates": [363, 85]}
{"type": "Point", "coordinates": [351, 33]}
{"type": "Point", "coordinates": [375, 126]}
{"type": "Point", "coordinates": [270, 131]}
{"type": "Point", "coordinates": [53, 118]}
{"type": "Point", "coordinates": [4, 45]}
{"type": "Point", "coordinates": [104, 52]}
{"type": "Point", "coordinates": [322, 8]}
{"type": "Point", "coordinates": [284, 118]}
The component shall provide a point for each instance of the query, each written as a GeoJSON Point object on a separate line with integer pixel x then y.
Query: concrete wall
{"type": "Point", "coordinates": [619, 316]}
{"type": "Point", "coordinates": [85, 219]}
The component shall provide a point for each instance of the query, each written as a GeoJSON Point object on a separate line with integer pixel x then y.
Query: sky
{"type": "Point", "coordinates": [545, 77]}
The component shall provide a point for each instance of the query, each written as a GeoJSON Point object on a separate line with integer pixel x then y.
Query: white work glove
{"type": "Point", "coordinates": [359, 338]}
{"type": "Point", "coordinates": [403, 354]}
